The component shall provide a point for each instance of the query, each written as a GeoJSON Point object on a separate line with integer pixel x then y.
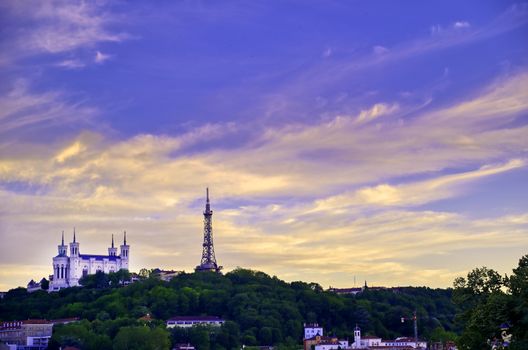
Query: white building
{"type": "Point", "coordinates": [67, 270]}
{"type": "Point", "coordinates": [33, 286]}
{"type": "Point", "coordinates": [311, 330]}
{"type": "Point", "coordinates": [371, 342]}
{"type": "Point", "coordinates": [27, 334]}
{"type": "Point", "coordinates": [405, 341]}
{"type": "Point", "coordinates": [189, 321]}
{"type": "Point", "coordinates": [330, 345]}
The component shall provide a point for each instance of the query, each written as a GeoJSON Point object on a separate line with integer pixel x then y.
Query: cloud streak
{"type": "Point", "coordinates": [22, 108]}
{"type": "Point", "coordinates": [58, 27]}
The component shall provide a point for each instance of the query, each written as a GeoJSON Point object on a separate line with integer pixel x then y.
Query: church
{"type": "Point", "coordinates": [67, 270]}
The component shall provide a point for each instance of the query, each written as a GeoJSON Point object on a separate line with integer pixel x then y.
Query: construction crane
{"type": "Point", "coordinates": [414, 318]}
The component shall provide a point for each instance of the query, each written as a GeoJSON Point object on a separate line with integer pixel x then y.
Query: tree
{"type": "Point", "coordinates": [44, 284]}
{"type": "Point", "coordinates": [518, 287]}
{"type": "Point", "coordinates": [144, 273]}
{"type": "Point", "coordinates": [79, 335]}
{"type": "Point", "coordinates": [141, 338]}
{"type": "Point", "coordinates": [229, 335]}
{"type": "Point", "coordinates": [199, 337]}
{"type": "Point", "coordinates": [487, 309]}
{"type": "Point", "coordinates": [99, 280]}
{"type": "Point", "coordinates": [119, 278]}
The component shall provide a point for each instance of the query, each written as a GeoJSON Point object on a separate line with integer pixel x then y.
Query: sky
{"type": "Point", "coordinates": [342, 141]}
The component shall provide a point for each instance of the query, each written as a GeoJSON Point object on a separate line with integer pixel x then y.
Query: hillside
{"type": "Point", "coordinates": [263, 309]}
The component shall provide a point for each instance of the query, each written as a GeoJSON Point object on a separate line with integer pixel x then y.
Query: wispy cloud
{"type": "Point", "coordinates": [59, 27]}
{"type": "Point", "coordinates": [68, 26]}
{"type": "Point", "coordinates": [71, 64]}
{"type": "Point", "coordinates": [461, 24]}
{"type": "Point", "coordinates": [378, 110]}
{"type": "Point", "coordinates": [101, 57]}
{"type": "Point", "coordinates": [380, 50]}
{"type": "Point", "coordinates": [325, 76]}
{"type": "Point", "coordinates": [416, 193]}
{"type": "Point", "coordinates": [21, 108]}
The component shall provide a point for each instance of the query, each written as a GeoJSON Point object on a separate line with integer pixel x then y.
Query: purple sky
{"type": "Point", "coordinates": [341, 140]}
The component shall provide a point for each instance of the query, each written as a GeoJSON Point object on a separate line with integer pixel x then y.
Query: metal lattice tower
{"type": "Point", "coordinates": [208, 262]}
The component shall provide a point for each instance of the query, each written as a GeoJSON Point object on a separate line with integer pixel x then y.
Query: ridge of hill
{"type": "Point", "coordinates": [260, 309]}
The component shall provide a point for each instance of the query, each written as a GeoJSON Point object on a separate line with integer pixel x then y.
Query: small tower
{"type": "Point", "coordinates": [125, 250]}
{"type": "Point", "coordinates": [112, 251]}
{"type": "Point", "coordinates": [74, 246]}
{"type": "Point", "coordinates": [208, 262]}
{"type": "Point", "coordinates": [62, 247]}
{"type": "Point", "coordinates": [357, 337]}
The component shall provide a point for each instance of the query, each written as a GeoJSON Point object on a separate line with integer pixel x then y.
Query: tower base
{"type": "Point", "coordinates": [208, 268]}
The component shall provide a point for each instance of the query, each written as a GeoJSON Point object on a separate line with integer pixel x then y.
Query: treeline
{"type": "Point", "coordinates": [262, 310]}
{"type": "Point", "coordinates": [494, 308]}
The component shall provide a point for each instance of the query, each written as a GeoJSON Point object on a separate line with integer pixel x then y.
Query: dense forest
{"type": "Point", "coordinates": [264, 310]}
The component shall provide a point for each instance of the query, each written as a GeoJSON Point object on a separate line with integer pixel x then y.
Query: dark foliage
{"type": "Point", "coordinates": [489, 301]}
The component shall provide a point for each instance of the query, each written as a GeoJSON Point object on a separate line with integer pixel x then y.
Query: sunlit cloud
{"type": "Point", "coordinates": [69, 152]}
{"type": "Point", "coordinates": [376, 111]}
{"type": "Point", "coordinates": [416, 193]}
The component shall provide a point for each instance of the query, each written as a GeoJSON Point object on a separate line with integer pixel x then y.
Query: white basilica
{"type": "Point", "coordinates": [67, 270]}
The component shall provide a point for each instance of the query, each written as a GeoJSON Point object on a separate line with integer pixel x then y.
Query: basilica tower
{"type": "Point", "coordinates": [125, 250]}
{"type": "Point", "coordinates": [112, 251]}
{"type": "Point", "coordinates": [61, 266]}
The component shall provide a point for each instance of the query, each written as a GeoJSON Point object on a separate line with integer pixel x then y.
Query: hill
{"type": "Point", "coordinates": [261, 309]}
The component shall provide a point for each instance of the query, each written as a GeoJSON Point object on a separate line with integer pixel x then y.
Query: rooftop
{"type": "Point", "coordinates": [195, 318]}
{"type": "Point", "coordinates": [99, 257]}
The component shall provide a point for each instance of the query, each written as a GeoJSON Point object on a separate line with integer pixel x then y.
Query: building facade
{"type": "Point", "coordinates": [27, 334]}
{"type": "Point", "coordinates": [189, 321]}
{"type": "Point", "coordinates": [69, 269]}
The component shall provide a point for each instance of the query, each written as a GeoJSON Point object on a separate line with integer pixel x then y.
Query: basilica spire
{"type": "Point", "coordinates": [62, 237]}
{"type": "Point", "coordinates": [112, 240]}
{"type": "Point", "coordinates": [74, 235]}
{"type": "Point", "coordinates": [124, 239]}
